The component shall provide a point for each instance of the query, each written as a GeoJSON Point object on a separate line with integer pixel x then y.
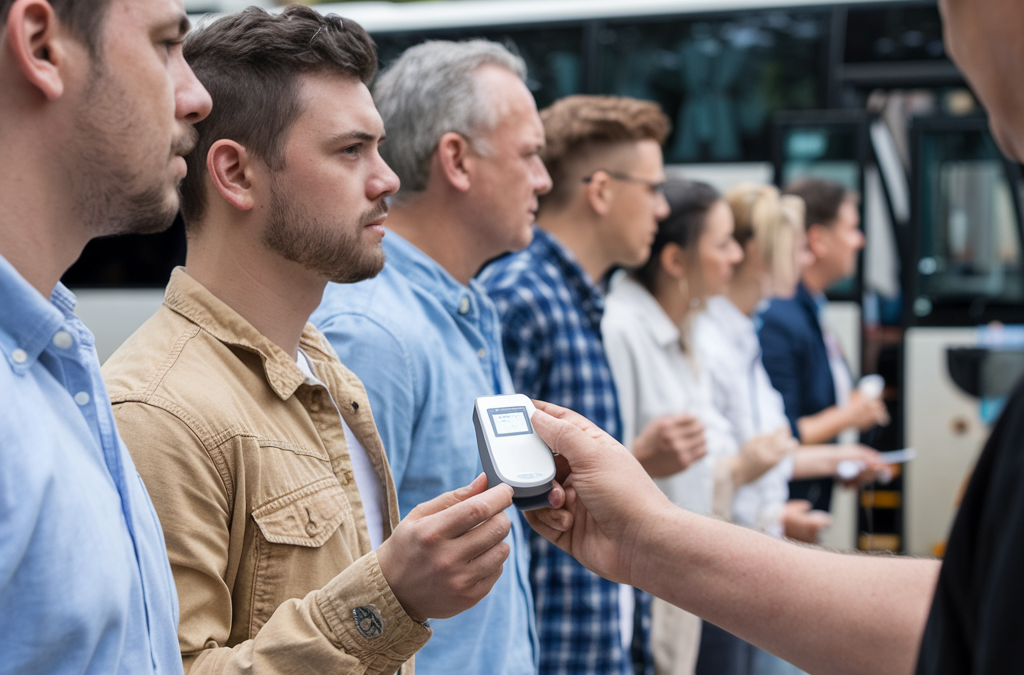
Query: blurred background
{"type": "Point", "coordinates": [859, 92]}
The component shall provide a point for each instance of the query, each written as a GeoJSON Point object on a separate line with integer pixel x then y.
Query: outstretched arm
{"type": "Point", "coordinates": [825, 612]}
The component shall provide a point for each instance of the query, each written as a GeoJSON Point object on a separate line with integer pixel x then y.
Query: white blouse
{"type": "Point", "coordinates": [654, 378]}
{"type": "Point", "coordinates": [741, 391]}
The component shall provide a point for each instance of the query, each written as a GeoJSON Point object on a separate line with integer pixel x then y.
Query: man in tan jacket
{"type": "Point", "coordinates": [258, 447]}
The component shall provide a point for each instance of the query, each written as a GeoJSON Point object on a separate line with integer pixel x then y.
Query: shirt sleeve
{"type": "Point", "coordinates": [314, 634]}
{"type": "Point", "coordinates": [781, 354]}
{"type": "Point", "coordinates": [382, 362]}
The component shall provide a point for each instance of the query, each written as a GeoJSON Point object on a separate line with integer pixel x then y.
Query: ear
{"type": "Point", "coordinates": [231, 170]}
{"type": "Point", "coordinates": [599, 192]}
{"type": "Point", "coordinates": [454, 160]}
{"type": "Point", "coordinates": [39, 46]}
{"type": "Point", "coordinates": [673, 260]}
{"type": "Point", "coordinates": [817, 240]}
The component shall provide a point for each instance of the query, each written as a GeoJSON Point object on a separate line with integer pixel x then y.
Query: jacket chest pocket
{"type": "Point", "coordinates": [304, 540]}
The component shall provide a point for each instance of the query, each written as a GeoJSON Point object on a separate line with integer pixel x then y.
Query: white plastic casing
{"type": "Point", "coordinates": [510, 450]}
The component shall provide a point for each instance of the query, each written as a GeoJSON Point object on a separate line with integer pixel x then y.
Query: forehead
{"type": "Point", "coordinates": [127, 20]}
{"type": "Point", "coordinates": [333, 104]}
{"type": "Point", "coordinates": [511, 102]}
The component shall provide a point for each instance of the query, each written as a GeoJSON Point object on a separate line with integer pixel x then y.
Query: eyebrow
{"type": "Point", "coordinates": [182, 23]}
{"type": "Point", "coordinates": [356, 136]}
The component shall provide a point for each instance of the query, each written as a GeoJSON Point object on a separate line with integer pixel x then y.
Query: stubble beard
{"type": "Point", "coordinates": [331, 251]}
{"type": "Point", "coordinates": [115, 194]}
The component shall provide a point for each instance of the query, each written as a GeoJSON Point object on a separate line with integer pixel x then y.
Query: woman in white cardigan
{"type": "Point", "coordinates": [647, 341]}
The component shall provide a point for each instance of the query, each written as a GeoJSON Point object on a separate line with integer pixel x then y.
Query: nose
{"type": "Point", "coordinates": [661, 207]}
{"type": "Point", "coordinates": [383, 183]}
{"type": "Point", "coordinates": [192, 103]}
{"type": "Point", "coordinates": [542, 179]}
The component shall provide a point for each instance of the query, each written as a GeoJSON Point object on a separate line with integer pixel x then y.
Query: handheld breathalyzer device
{"type": "Point", "coordinates": [511, 451]}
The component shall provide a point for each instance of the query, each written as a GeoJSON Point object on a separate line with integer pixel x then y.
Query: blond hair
{"type": "Point", "coordinates": [770, 220]}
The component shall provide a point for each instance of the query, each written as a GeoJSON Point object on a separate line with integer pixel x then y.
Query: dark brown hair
{"type": "Point", "coordinates": [250, 62]}
{"type": "Point", "coordinates": [83, 18]}
{"type": "Point", "coordinates": [689, 203]}
{"type": "Point", "coordinates": [576, 125]}
{"type": "Point", "coordinates": [822, 199]}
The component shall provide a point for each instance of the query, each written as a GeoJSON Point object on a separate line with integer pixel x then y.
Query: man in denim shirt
{"type": "Point", "coordinates": [464, 137]}
{"type": "Point", "coordinates": [97, 105]}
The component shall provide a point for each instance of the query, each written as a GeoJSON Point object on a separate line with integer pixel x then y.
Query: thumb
{"type": "Point", "coordinates": [449, 499]}
{"type": "Point", "coordinates": [563, 437]}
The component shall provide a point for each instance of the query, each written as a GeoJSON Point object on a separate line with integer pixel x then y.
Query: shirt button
{"type": "Point", "coordinates": [464, 305]}
{"type": "Point", "coordinates": [63, 339]}
{"type": "Point", "coordinates": [82, 398]}
{"type": "Point", "coordinates": [481, 353]}
{"type": "Point", "coordinates": [19, 356]}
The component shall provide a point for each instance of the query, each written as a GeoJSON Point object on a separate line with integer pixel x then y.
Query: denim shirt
{"type": "Point", "coordinates": [85, 586]}
{"type": "Point", "coordinates": [425, 346]}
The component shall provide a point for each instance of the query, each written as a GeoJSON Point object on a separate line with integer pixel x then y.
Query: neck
{"type": "Point", "coordinates": [430, 223]}
{"type": "Point", "coordinates": [816, 280]}
{"type": "Point", "coordinates": [41, 233]}
{"type": "Point", "coordinates": [745, 291]}
{"type": "Point", "coordinates": [670, 296]}
{"type": "Point", "coordinates": [276, 296]}
{"type": "Point", "coordinates": [578, 232]}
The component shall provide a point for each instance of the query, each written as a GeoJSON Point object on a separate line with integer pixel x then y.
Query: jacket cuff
{"type": "Point", "coordinates": [366, 619]}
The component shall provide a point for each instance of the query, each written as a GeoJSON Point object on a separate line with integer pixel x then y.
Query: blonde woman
{"type": "Point", "coordinates": [770, 229]}
{"type": "Point", "coordinates": [648, 345]}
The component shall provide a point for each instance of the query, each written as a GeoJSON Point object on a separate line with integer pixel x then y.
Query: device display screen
{"type": "Point", "coordinates": [513, 421]}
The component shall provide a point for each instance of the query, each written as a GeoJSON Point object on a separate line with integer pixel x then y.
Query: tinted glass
{"type": "Point", "coordinates": [969, 247]}
{"type": "Point", "coordinates": [719, 80]}
{"type": "Point", "coordinates": [908, 34]}
{"type": "Point", "coordinates": [134, 260]}
{"type": "Point", "coordinates": [552, 55]}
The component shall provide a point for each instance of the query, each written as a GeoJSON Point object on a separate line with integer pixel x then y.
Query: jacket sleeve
{"type": "Point", "coordinates": [192, 491]}
{"type": "Point", "coordinates": [781, 353]}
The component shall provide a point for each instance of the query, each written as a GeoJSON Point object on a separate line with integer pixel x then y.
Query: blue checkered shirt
{"type": "Point", "coordinates": [551, 330]}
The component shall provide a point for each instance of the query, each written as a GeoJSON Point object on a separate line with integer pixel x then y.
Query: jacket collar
{"type": "Point", "coordinates": [192, 300]}
{"type": "Point", "coordinates": [629, 292]}
{"type": "Point", "coordinates": [590, 294]}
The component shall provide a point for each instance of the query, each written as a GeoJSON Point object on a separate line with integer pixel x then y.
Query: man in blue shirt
{"type": "Point", "coordinates": [97, 105]}
{"type": "Point", "coordinates": [604, 155]}
{"type": "Point", "coordinates": [464, 137]}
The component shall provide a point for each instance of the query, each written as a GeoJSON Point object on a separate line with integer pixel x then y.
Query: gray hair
{"type": "Point", "coordinates": [430, 91]}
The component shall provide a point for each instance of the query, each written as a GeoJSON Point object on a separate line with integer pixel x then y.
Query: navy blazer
{"type": "Point", "coordinates": [796, 359]}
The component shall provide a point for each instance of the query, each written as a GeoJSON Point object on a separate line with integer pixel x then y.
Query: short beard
{"type": "Point", "coordinates": [332, 251]}
{"type": "Point", "coordinates": [115, 197]}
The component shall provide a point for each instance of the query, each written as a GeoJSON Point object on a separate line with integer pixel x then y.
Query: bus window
{"type": "Point", "coordinates": [720, 79]}
{"type": "Point", "coordinates": [552, 54]}
{"type": "Point", "coordinates": [890, 34]}
{"type": "Point", "coordinates": [967, 253]}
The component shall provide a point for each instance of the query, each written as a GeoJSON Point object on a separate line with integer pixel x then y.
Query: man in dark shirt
{"type": "Point", "coordinates": [828, 612]}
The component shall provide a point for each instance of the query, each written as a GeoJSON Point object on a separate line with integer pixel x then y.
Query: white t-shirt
{"type": "Point", "coordinates": [367, 481]}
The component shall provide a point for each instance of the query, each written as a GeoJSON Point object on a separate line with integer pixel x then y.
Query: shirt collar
{"type": "Point", "coordinates": [633, 294]}
{"type": "Point", "coordinates": [192, 300]}
{"type": "Point", "coordinates": [590, 294]}
{"type": "Point", "coordinates": [734, 324]}
{"type": "Point", "coordinates": [428, 274]}
{"type": "Point", "coordinates": [28, 321]}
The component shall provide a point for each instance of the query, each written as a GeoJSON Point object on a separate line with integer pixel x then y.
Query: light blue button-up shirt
{"type": "Point", "coordinates": [425, 346]}
{"type": "Point", "coordinates": [85, 586]}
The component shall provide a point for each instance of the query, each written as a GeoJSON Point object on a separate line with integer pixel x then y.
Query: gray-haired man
{"type": "Point", "coordinates": [464, 137]}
